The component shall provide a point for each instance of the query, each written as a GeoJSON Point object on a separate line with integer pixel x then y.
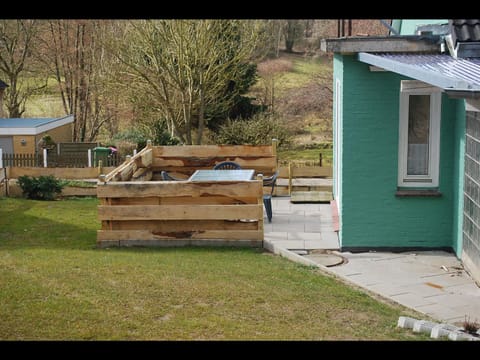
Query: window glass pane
{"type": "Point", "coordinates": [418, 134]}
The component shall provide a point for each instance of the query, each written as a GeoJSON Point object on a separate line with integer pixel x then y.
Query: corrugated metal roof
{"type": "Point", "coordinates": [439, 70]}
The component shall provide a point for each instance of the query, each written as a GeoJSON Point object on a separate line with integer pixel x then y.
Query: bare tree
{"type": "Point", "coordinates": [16, 60]}
{"type": "Point", "coordinates": [187, 66]}
{"type": "Point", "coordinates": [74, 52]}
{"type": "Point", "coordinates": [292, 32]}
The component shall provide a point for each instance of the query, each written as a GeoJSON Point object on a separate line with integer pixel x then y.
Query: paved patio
{"type": "Point", "coordinates": [431, 282]}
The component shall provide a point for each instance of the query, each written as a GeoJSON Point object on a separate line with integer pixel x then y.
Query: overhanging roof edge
{"type": "Point", "coordinates": [417, 73]}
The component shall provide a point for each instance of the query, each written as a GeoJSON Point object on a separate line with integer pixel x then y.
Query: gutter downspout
{"type": "Point", "coordinates": [389, 27]}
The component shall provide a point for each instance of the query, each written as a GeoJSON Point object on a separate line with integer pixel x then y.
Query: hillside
{"type": "Point", "coordinates": [299, 90]}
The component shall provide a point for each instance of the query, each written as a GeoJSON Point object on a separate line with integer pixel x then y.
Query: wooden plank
{"type": "Point", "coordinates": [213, 150]}
{"type": "Point", "coordinates": [191, 242]}
{"type": "Point", "coordinates": [61, 173]}
{"type": "Point", "coordinates": [176, 225]}
{"type": "Point", "coordinates": [306, 182]}
{"type": "Point", "coordinates": [184, 200]}
{"type": "Point", "coordinates": [252, 188]}
{"type": "Point", "coordinates": [194, 162]}
{"type": "Point", "coordinates": [312, 171]}
{"type": "Point", "coordinates": [179, 212]}
{"type": "Point", "coordinates": [145, 159]}
{"type": "Point", "coordinates": [106, 235]}
{"type": "Point", "coordinates": [311, 196]}
{"type": "Point", "coordinates": [142, 174]}
{"type": "Point", "coordinates": [120, 168]}
{"type": "Point", "coordinates": [127, 172]}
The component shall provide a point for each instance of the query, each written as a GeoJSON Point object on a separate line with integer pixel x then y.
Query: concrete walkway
{"type": "Point", "coordinates": [431, 282]}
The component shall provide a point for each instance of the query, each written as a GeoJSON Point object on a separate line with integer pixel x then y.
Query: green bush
{"type": "Point", "coordinates": [41, 188]}
{"type": "Point", "coordinates": [260, 130]}
{"type": "Point", "coordinates": [156, 131]}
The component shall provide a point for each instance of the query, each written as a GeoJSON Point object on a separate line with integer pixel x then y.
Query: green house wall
{"type": "Point", "coordinates": [371, 216]}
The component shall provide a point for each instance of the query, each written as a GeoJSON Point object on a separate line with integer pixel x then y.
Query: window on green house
{"type": "Point", "coordinates": [419, 130]}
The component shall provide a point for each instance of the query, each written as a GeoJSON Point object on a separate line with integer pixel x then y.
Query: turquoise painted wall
{"type": "Point", "coordinates": [458, 177]}
{"type": "Point", "coordinates": [372, 216]}
{"type": "Point", "coordinates": [409, 26]}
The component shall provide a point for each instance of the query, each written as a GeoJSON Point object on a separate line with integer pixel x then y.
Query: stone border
{"type": "Point", "coordinates": [436, 330]}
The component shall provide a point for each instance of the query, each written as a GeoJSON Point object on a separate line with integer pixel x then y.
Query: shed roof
{"type": "Point", "coordinates": [441, 70]}
{"type": "Point", "coordinates": [31, 126]}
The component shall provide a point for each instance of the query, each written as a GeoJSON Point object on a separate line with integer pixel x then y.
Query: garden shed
{"type": "Point", "coordinates": [21, 135]}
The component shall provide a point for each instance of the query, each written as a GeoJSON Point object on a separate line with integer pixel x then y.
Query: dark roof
{"type": "Point", "coordinates": [3, 85]}
{"type": "Point", "coordinates": [465, 30]}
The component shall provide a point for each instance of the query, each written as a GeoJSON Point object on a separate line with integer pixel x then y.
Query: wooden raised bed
{"type": "Point", "coordinates": [135, 211]}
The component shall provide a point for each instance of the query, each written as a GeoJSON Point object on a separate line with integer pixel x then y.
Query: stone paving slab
{"type": "Point", "coordinates": [290, 244]}
{"type": "Point", "coordinates": [313, 228]}
{"type": "Point", "coordinates": [321, 244]}
{"type": "Point", "coordinates": [414, 279]}
{"type": "Point", "coordinates": [304, 236]}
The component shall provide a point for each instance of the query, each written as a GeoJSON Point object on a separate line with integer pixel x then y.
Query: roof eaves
{"type": "Point", "coordinates": [393, 44]}
{"type": "Point", "coordinates": [415, 72]}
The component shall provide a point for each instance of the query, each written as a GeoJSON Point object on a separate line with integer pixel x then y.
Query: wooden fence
{"type": "Point", "coordinates": [179, 213]}
{"type": "Point", "coordinates": [136, 212]}
{"type": "Point", "coordinates": [74, 160]}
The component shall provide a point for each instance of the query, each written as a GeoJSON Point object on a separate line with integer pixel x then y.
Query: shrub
{"type": "Point", "coordinates": [260, 130]}
{"type": "Point", "coordinates": [41, 188]}
{"type": "Point", "coordinates": [156, 131]}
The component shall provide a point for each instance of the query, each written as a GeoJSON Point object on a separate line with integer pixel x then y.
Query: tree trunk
{"type": "Point", "coordinates": [201, 112]}
{"type": "Point", "coordinates": [289, 45]}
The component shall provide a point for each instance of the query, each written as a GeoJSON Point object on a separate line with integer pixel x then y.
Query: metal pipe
{"type": "Point", "coordinates": [389, 27]}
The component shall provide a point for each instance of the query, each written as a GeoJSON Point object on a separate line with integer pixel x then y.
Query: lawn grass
{"type": "Point", "coordinates": [56, 285]}
{"type": "Point", "coordinates": [310, 154]}
{"type": "Point", "coordinates": [304, 71]}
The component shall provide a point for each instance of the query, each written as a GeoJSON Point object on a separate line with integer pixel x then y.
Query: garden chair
{"type": "Point", "coordinates": [166, 176]}
{"type": "Point", "coordinates": [227, 165]}
{"type": "Point", "coordinates": [267, 198]}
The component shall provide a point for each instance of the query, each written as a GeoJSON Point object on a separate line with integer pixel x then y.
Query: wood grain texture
{"type": "Point", "coordinates": [179, 212]}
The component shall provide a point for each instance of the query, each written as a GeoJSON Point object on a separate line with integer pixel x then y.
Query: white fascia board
{"type": "Point", "coordinates": [39, 129]}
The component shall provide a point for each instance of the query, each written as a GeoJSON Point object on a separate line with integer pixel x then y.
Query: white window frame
{"type": "Point", "coordinates": [414, 87]}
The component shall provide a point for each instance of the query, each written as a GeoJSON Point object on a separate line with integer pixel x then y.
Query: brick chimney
{"type": "Point", "coordinates": [2, 89]}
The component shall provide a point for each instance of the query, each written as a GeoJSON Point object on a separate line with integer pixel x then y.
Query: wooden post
{"type": "Point", "coordinates": [89, 157]}
{"type": "Point", "coordinates": [274, 148]}
{"type": "Point", "coordinates": [100, 167]}
{"type": "Point", "coordinates": [149, 144]}
{"type": "Point", "coordinates": [290, 178]}
{"type": "Point", "coordinates": [44, 157]}
{"type": "Point", "coordinates": [320, 159]}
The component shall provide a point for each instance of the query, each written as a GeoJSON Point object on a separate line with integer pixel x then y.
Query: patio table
{"type": "Point", "coordinates": [222, 175]}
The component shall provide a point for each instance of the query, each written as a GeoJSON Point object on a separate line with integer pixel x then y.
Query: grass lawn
{"type": "Point", "coordinates": [308, 155]}
{"type": "Point", "coordinates": [56, 285]}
